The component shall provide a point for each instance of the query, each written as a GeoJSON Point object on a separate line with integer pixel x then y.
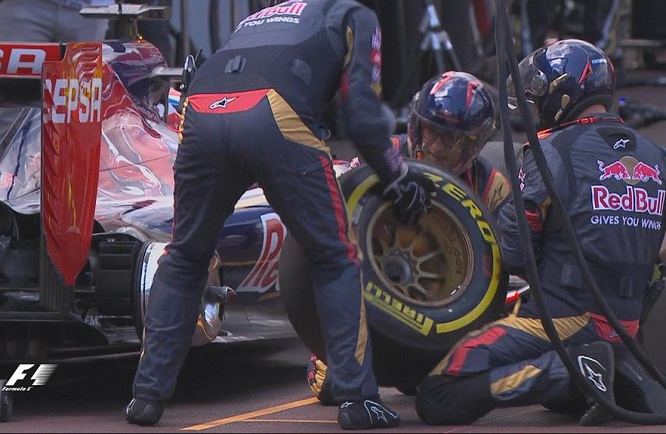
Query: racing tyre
{"type": "Point", "coordinates": [425, 285]}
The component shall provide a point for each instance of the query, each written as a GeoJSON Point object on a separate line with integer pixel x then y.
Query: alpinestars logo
{"type": "Point", "coordinates": [222, 103]}
{"type": "Point", "coordinates": [379, 413]}
{"type": "Point", "coordinates": [592, 369]}
{"type": "Point", "coordinates": [622, 143]}
{"type": "Point", "coordinates": [40, 375]}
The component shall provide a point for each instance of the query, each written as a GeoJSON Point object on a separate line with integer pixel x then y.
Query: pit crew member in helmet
{"type": "Point", "coordinates": [450, 120]}
{"type": "Point", "coordinates": [600, 168]}
{"type": "Point", "coordinates": [254, 113]}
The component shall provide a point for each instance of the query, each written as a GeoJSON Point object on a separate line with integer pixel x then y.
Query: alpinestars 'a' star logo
{"type": "Point", "coordinates": [588, 365]}
{"type": "Point", "coordinates": [622, 143]}
{"type": "Point", "coordinates": [596, 378]}
{"type": "Point", "coordinates": [379, 413]}
{"type": "Point", "coordinates": [222, 103]}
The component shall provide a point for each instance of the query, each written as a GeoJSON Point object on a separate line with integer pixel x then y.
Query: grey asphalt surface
{"type": "Point", "coordinates": [247, 388]}
{"type": "Point", "coordinates": [261, 387]}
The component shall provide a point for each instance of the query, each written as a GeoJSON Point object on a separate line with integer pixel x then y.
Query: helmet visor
{"type": "Point", "coordinates": [450, 150]}
{"type": "Point", "coordinates": [535, 85]}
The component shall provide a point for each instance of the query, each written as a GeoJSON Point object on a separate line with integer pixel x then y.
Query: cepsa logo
{"type": "Point", "coordinates": [73, 100]}
{"type": "Point", "coordinates": [26, 60]}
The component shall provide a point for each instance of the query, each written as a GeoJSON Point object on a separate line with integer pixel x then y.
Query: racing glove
{"type": "Point", "coordinates": [317, 371]}
{"type": "Point", "coordinates": [410, 193]}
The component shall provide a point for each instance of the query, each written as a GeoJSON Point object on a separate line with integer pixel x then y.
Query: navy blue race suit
{"type": "Point", "coordinates": [610, 181]}
{"type": "Point", "coordinates": [253, 113]}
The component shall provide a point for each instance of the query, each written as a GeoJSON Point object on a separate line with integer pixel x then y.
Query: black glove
{"type": "Point", "coordinates": [410, 194]}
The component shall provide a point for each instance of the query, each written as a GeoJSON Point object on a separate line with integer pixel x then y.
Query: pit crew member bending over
{"type": "Point", "coordinates": [610, 181]}
{"type": "Point", "coordinates": [451, 119]}
{"type": "Point", "coordinates": [253, 113]}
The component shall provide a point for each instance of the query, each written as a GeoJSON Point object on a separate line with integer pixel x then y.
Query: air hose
{"type": "Point", "coordinates": [506, 58]}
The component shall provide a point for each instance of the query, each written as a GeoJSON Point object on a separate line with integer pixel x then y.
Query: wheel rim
{"type": "Point", "coordinates": [428, 264]}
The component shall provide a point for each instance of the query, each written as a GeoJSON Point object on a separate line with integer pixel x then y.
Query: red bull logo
{"type": "Point", "coordinates": [644, 172]}
{"type": "Point", "coordinates": [287, 12]}
{"type": "Point", "coordinates": [264, 273]}
{"type": "Point", "coordinates": [634, 199]}
{"type": "Point", "coordinates": [630, 170]}
{"type": "Point", "coordinates": [616, 170]}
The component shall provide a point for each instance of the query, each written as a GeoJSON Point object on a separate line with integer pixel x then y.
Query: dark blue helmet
{"type": "Point", "coordinates": [451, 118]}
{"type": "Point", "coordinates": [563, 79]}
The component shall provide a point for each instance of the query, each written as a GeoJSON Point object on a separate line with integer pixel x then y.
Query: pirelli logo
{"type": "Point", "coordinates": [397, 309]}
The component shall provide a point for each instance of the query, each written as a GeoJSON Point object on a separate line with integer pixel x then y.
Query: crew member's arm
{"type": "Point", "coordinates": [490, 184]}
{"type": "Point", "coordinates": [360, 91]}
{"type": "Point", "coordinates": [498, 192]}
{"type": "Point", "coordinates": [537, 203]}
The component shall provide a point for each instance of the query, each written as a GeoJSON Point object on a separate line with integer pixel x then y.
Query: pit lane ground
{"type": "Point", "coordinates": [249, 388]}
{"type": "Point", "coordinates": [261, 387]}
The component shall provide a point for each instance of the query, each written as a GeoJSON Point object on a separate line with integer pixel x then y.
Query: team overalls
{"type": "Point", "coordinates": [611, 182]}
{"type": "Point", "coordinates": [253, 114]}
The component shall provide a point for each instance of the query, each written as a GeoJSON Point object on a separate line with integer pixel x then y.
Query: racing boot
{"type": "Point", "coordinates": [143, 412]}
{"type": "Point", "coordinates": [596, 415]}
{"type": "Point", "coordinates": [596, 363]}
{"type": "Point", "coordinates": [366, 414]}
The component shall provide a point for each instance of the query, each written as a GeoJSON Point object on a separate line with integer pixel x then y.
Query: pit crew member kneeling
{"type": "Point", "coordinates": [451, 119]}
{"type": "Point", "coordinates": [608, 177]}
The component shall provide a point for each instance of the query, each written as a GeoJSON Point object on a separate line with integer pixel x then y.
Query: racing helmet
{"type": "Point", "coordinates": [450, 120]}
{"type": "Point", "coordinates": [563, 79]}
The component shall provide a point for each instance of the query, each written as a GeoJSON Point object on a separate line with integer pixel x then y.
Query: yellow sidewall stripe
{"type": "Point", "coordinates": [443, 327]}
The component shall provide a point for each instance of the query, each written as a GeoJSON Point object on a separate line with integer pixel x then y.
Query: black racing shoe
{"type": "Point", "coordinates": [596, 364]}
{"type": "Point", "coordinates": [143, 412]}
{"type": "Point", "coordinates": [595, 416]}
{"type": "Point", "coordinates": [366, 414]}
